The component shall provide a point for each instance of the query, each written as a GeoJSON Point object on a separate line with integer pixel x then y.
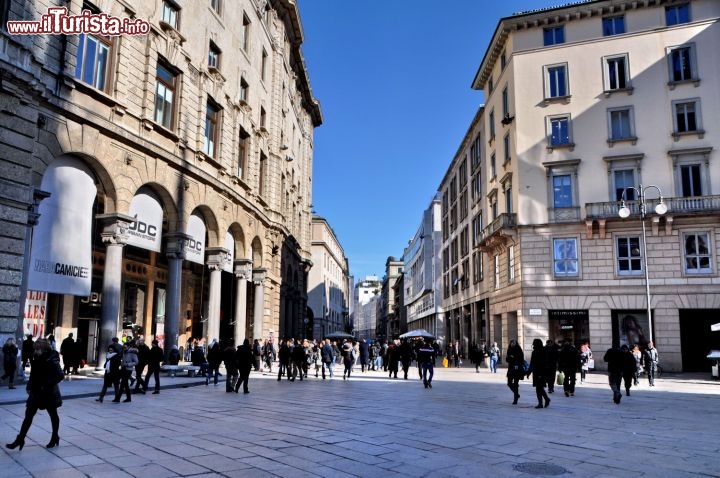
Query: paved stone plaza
{"type": "Point", "coordinates": [370, 426]}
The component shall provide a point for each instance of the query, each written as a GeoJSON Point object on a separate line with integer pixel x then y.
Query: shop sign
{"type": "Point", "coordinates": [146, 231]}
{"type": "Point", "coordinates": [195, 245]}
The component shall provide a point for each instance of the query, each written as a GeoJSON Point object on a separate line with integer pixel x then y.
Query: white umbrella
{"type": "Point", "coordinates": [417, 333]}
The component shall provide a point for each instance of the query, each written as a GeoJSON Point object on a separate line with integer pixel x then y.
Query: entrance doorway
{"type": "Point", "coordinates": [696, 339]}
{"type": "Point", "coordinates": [88, 331]}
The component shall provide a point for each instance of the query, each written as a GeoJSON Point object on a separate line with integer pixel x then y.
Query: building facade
{"type": "Point", "coordinates": [157, 184]}
{"type": "Point", "coordinates": [388, 317]}
{"type": "Point", "coordinates": [328, 281]}
{"type": "Point", "coordinates": [422, 278]}
{"type": "Point", "coordinates": [589, 107]}
{"type": "Point", "coordinates": [367, 293]}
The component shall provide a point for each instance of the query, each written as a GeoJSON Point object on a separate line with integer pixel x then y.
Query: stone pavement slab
{"type": "Point", "coordinates": [371, 426]}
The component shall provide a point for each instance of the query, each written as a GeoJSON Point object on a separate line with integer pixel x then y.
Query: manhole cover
{"type": "Point", "coordinates": [540, 469]}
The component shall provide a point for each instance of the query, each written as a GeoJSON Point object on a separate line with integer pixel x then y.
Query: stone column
{"type": "Point", "coordinates": [175, 254]}
{"type": "Point", "coordinates": [32, 221]}
{"type": "Point", "coordinates": [114, 235]}
{"type": "Point", "coordinates": [243, 273]}
{"type": "Point", "coordinates": [216, 259]}
{"type": "Point", "coordinates": [259, 281]}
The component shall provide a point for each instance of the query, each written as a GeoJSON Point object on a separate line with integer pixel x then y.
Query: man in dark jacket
{"type": "Point", "coordinates": [231, 367]}
{"type": "Point", "coordinates": [257, 354]}
{"type": "Point", "coordinates": [244, 358]}
{"type": "Point", "coordinates": [28, 349]}
{"type": "Point", "coordinates": [327, 356]}
{"type": "Point", "coordinates": [551, 361]}
{"type": "Point", "coordinates": [143, 353]}
{"type": "Point", "coordinates": [298, 358]}
{"type": "Point", "coordinates": [214, 358]}
{"type": "Point", "coordinates": [364, 355]}
{"type": "Point", "coordinates": [154, 363]}
{"type": "Point", "coordinates": [67, 350]}
{"type": "Point", "coordinates": [569, 364]}
{"type": "Point", "coordinates": [426, 359]}
{"type": "Point", "coordinates": [614, 359]}
{"type": "Point", "coordinates": [284, 360]}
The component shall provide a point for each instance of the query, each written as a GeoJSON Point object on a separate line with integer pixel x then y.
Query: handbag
{"type": "Point", "coordinates": [560, 379]}
{"type": "Point", "coordinates": [591, 363]}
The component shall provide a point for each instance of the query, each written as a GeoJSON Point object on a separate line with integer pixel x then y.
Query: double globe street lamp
{"type": "Point", "coordinates": [624, 212]}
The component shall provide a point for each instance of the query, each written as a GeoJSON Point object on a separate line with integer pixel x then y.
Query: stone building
{"type": "Point", "coordinates": [422, 297]}
{"type": "Point", "coordinates": [328, 282]}
{"type": "Point", "coordinates": [171, 173]}
{"type": "Point", "coordinates": [591, 106]}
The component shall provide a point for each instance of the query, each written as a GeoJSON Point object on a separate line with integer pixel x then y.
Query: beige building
{"type": "Point", "coordinates": [178, 165]}
{"type": "Point", "coordinates": [328, 282]}
{"type": "Point", "coordinates": [585, 102]}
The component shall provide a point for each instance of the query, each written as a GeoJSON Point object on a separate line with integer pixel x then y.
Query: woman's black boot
{"type": "Point", "coordinates": [19, 442]}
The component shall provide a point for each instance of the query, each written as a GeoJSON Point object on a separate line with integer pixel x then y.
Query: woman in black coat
{"type": "Point", "coordinates": [43, 392]}
{"type": "Point", "coordinates": [515, 359]}
{"type": "Point", "coordinates": [538, 369]}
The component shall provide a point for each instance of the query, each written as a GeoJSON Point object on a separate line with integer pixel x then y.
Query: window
{"type": "Point", "coordinates": [243, 149]}
{"type": "Point", "coordinates": [496, 268]}
{"type": "Point", "coordinates": [559, 131]}
{"type": "Point", "coordinates": [556, 84]}
{"type": "Point", "coordinates": [687, 116]}
{"type": "Point", "coordinates": [503, 60]}
{"type": "Point", "coordinates": [477, 225]}
{"type": "Point", "coordinates": [476, 186]}
{"type": "Point", "coordinates": [463, 205]}
{"type": "Point", "coordinates": [697, 253]}
{"type": "Point", "coordinates": [212, 124]}
{"type": "Point", "coordinates": [491, 124]}
{"type": "Point", "coordinates": [629, 256]}
{"type": "Point", "coordinates": [215, 4]}
{"type": "Point", "coordinates": [170, 13]}
{"type": "Point", "coordinates": [565, 257]}
{"type": "Point", "coordinates": [475, 153]}
{"type": "Point", "coordinates": [4, 15]}
{"type": "Point", "coordinates": [621, 124]}
{"type": "Point", "coordinates": [477, 267]}
{"type": "Point", "coordinates": [553, 35]}
{"type": "Point", "coordinates": [613, 25]}
{"type": "Point", "coordinates": [508, 199]}
{"type": "Point", "coordinates": [506, 147]}
{"type": "Point", "coordinates": [454, 251]}
{"type": "Point", "coordinates": [464, 241]}
{"type": "Point", "coordinates": [262, 173]}
{"type": "Point", "coordinates": [263, 65]}
{"type": "Point", "coordinates": [682, 63]}
{"type": "Point", "coordinates": [165, 87]}
{"type": "Point", "coordinates": [213, 56]}
{"type": "Point", "coordinates": [690, 180]}
{"type": "Point", "coordinates": [464, 279]}
{"type": "Point", "coordinates": [491, 84]}
{"type": "Point", "coordinates": [562, 191]}
{"type": "Point", "coordinates": [462, 174]}
{"type": "Point", "coordinates": [677, 14]}
{"type": "Point", "coordinates": [244, 90]}
{"type": "Point", "coordinates": [616, 73]}
{"type": "Point", "coordinates": [446, 260]}
{"type": "Point", "coordinates": [511, 264]}
{"type": "Point", "coordinates": [493, 167]}
{"type": "Point", "coordinates": [263, 117]}
{"type": "Point", "coordinates": [494, 207]}
{"type": "Point", "coordinates": [246, 34]}
{"type": "Point", "coordinates": [624, 181]}
{"type": "Point", "coordinates": [454, 279]}
{"type": "Point", "coordinates": [93, 61]}
{"type": "Point", "coordinates": [505, 103]}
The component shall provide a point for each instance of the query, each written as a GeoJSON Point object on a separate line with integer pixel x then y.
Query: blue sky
{"type": "Point", "coordinates": [393, 80]}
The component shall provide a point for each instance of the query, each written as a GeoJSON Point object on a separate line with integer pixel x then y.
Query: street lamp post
{"type": "Point", "coordinates": [624, 212]}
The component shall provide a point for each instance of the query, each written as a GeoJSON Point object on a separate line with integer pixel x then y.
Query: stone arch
{"type": "Point", "coordinates": [256, 252]}
{"type": "Point", "coordinates": [106, 189]}
{"type": "Point", "coordinates": [236, 230]}
{"type": "Point", "coordinates": [214, 237]}
{"type": "Point", "coordinates": [170, 211]}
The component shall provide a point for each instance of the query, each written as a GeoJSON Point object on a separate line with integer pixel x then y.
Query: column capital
{"type": "Point", "coordinates": [114, 228]}
{"type": "Point", "coordinates": [243, 269]}
{"type": "Point", "coordinates": [259, 275]}
{"type": "Point", "coordinates": [175, 244]}
{"type": "Point", "coordinates": [216, 257]}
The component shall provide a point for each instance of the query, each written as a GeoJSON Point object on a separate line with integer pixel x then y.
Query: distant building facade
{"type": "Point", "coordinates": [422, 276]}
{"type": "Point", "coordinates": [328, 281]}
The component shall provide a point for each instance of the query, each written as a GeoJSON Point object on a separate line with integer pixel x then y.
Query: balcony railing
{"type": "Point", "coordinates": [677, 206]}
{"type": "Point", "coordinates": [503, 221]}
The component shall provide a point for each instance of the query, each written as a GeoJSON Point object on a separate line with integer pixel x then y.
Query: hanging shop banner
{"type": "Point", "coordinates": [146, 231]}
{"type": "Point", "coordinates": [34, 320]}
{"type": "Point", "coordinates": [230, 246]}
{"type": "Point", "coordinates": [195, 245]}
{"type": "Point", "coordinates": [61, 257]}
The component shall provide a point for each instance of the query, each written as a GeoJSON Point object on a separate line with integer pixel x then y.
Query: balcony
{"type": "Point", "coordinates": [677, 206]}
{"type": "Point", "coordinates": [498, 234]}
